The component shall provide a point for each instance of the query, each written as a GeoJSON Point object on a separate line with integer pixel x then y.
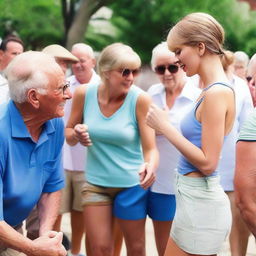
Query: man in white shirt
{"type": "Point", "coordinates": [9, 48]}
{"type": "Point", "coordinates": [74, 157]}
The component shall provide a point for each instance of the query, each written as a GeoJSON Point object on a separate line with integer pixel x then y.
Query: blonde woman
{"type": "Point", "coordinates": [203, 216]}
{"type": "Point", "coordinates": [175, 93]}
{"type": "Point", "coordinates": [122, 156]}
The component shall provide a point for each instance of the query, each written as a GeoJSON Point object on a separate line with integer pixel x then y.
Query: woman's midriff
{"type": "Point", "coordinates": [194, 174]}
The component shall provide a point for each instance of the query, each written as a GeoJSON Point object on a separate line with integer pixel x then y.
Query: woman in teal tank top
{"type": "Point", "coordinates": [110, 119]}
{"type": "Point", "coordinates": [203, 217]}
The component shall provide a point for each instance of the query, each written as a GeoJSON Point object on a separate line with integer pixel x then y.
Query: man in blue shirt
{"type": "Point", "coordinates": [31, 138]}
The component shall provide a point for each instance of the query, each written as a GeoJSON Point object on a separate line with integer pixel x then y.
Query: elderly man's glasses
{"type": "Point", "coordinates": [126, 72]}
{"type": "Point", "coordinates": [65, 87]}
{"type": "Point", "coordinates": [160, 70]}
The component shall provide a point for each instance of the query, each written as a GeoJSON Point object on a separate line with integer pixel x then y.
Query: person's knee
{"type": "Point", "coordinates": [101, 250]}
{"type": "Point", "coordinates": [136, 248]}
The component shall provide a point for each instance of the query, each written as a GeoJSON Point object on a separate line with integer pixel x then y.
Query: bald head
{"type": "Point", "coordinates": [251, 71]}
{"type": "Point", "coordinates": [83, 69]}
{"type": "Point", "coordinates": [30, 70]}
{"type": "Point", "coordinates": [85, 48]}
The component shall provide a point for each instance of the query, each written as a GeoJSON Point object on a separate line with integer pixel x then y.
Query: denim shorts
{"type": "Point", "coordinates": [203, 216]}
{"type": "Point", "coordinates": [161, 207]}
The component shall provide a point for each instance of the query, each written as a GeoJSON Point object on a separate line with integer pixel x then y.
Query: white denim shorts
{"type": "Point", "coordinates": [203, 216]}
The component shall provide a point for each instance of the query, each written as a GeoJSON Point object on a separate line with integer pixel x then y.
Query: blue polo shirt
{"type": "Point", "coordinates": [27, 169]}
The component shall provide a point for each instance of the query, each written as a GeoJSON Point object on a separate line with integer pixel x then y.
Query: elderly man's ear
{"type": "Point", "coordinates": [1, 54]}
{"type": "Point", "coordinates": [33, 98]}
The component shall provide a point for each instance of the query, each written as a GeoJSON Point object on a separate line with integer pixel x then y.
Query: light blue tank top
{"type": "Point", "coordinates": [115, 156]}
{"type": "Point", "coordinates": [191, 129]}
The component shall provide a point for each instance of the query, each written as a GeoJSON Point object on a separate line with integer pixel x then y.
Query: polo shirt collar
{"type": "Point", "coordinates": [18, 127]}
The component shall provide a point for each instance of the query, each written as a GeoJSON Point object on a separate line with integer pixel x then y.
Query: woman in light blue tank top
{"type": "Point", "coordinates": [110, 119]}
{"type": "Point", "coordinates": [203, 217]}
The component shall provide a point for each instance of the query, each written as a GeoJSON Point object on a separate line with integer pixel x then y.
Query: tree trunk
{"type": "Point", "coordinates": [80, 23]}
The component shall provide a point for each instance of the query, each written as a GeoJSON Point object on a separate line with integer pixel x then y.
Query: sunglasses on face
{"type": "Point", "coordinates": [249, 78]}
{"type": "Point", "coordinates": [126, 72]}
{"type": "Point", "coordinates": [160, 70]}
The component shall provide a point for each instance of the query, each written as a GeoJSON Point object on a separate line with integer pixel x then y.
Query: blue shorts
{"type": "Point", "coordinates": [161, 207]}
{"type": "Point", "coordinates": [131, 203]}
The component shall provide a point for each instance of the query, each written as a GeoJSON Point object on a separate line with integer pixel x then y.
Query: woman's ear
{"type": "Point", "coordinates": [106, 74]}
{"type": "Point", "coordinates": [201, 49]}
{"type": "Point", "coordinates": [32, 98]}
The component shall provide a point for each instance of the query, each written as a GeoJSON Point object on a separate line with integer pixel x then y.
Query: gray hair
{"type": "Point", "coordinates": [29, 70]}
{"type": "Point", "coordinates": [241, 56]}
{"type": "Point", "coordinates": [160, 50]}
{"type": "Point", "coordinates": [85, 48]}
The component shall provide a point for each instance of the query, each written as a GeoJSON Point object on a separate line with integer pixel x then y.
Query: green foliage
{"type": "Point", "coordinates": [97, 40]}
{"type": "Point", "coordinates": [144, 23]}
{"type": "Point", "coordinates": [38, 23]}
{"type": "Point", "coordinates": [139, 23]}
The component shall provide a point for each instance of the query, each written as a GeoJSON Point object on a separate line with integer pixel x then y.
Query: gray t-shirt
{"type": "Point", "coordinates": [248, 131]}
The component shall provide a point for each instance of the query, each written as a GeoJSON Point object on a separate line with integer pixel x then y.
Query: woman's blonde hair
{"type": "Point", "coordinates": [197, 28]}
{"type": "Point", "coordinates": [117, 56]}
{"type": "Point", "coordinates": [227, 59]}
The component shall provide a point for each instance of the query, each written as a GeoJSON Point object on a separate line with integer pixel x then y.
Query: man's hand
{"type": "Point", "coordinates": [48, 244]}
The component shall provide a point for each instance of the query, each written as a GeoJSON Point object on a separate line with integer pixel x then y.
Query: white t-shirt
{"type": "Point", "coordinates": [4, 90]}
{"type": "Point", "coordinates": [74, 157]}
{"type": "Point", "coordinates": [244, 106]}
{"type": "Point", "coordinates": [169, 155]}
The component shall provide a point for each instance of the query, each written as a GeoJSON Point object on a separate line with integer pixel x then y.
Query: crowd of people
{"type": "Point", "coordinates": [88, 141]}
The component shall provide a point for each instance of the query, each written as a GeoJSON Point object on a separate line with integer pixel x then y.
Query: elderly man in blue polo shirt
{"type": "Point", "coordinates": [31, 138]}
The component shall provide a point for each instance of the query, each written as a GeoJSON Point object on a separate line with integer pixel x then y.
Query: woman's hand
{"type": "Point", "coordinates": [147, 175]}
{"type": "Point", "coordinates": [157, 119]}
{"type": "Point", "coordinates": [81, 134]}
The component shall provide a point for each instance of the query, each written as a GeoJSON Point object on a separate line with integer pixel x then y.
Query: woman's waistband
{"type": "Point", "coordinates": [207, 181]}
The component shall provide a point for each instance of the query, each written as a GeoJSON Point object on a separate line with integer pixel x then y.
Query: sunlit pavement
{"type": "Point", "coordinates": [150, 243]}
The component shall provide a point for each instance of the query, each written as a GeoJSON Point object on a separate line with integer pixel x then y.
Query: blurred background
{"type": "Point", "coordinates": [139, 23]}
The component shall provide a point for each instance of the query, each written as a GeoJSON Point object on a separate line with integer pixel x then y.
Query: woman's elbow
{"type": "Point", "coordinates": [208, 168]}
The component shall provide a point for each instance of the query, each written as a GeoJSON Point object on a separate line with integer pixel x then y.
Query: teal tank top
{"type": "Point", "coordinates": [116, 155]}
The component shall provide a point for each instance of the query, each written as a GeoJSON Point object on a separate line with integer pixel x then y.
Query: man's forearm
{"type": "Point", "coordinates": [48, 210]}
{"type": "Point", "coordinates": [245, 182]}
{"type": "Point", "coordinates": [246, 202]}
{"type": "Point", "coordinates": [10, 238]}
